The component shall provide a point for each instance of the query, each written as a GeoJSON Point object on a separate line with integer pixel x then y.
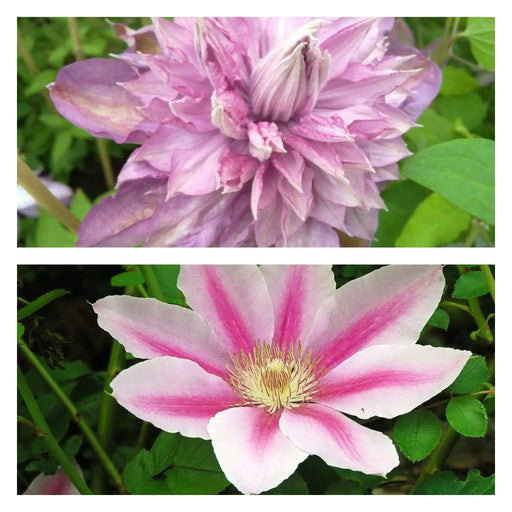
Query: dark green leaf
{"type": "Point", "coordinates": [462, 171]}
{"type": "Point", "coordinates": [345, 487]}
{"type": "Point", "coordinates": [477, 484]}
{"type": "Point", "coordinates": [317, 474]}
{"type": "Point", "coordinates": [440, 319]}
{"type": "Point", "coordinates": [481, 35]}
{"type": "Point", "coordinates": [467, 416]}
{"type": "Point", "coordinates": [162, 452]}
{"type": "Point", "coordinates": [401, 199]}
{"type": "Point", "coordinates": [444, 482]}
{"type": "Point", "coordinates": [469, 285]}
{"type": "Point", "coordinates": [167, 277]}
{"type": "Point", "coordinates": [132, 278]}
{"type": "Point", "coordinates": [72, 445]}
{"type": "Point", "coordinates": [21, 330]}
{"type": "Point", "coordinates": [293, 485]}
{"type": "Point", "coordinates": [368, 482]}
{"type": "Point", "coordinates": [417, 433]}
{"type": "Point", "coordinates": [472, 377]}
{"type": "Point", "coordinates": [436, 221]}
{"type": "Point", "coordinates": [40, 302]}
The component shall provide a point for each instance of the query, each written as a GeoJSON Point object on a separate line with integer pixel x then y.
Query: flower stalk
{"type": "Point", "coordinates": [49, 438]}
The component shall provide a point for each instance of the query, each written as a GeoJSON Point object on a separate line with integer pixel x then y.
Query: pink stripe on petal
{"type": "Point", "coordinates": [296, 292]}
{"type": "Point", "coordinates": [233, 299]}
{"type": "Point", "coordinates": [339, 441]}
{"type": "Point", "coordinates": [389, 380]}
{"type": "Point", "coordinates": [253, 453]}
{"type": "Point", "coordinates": [388, 306]}
{"type": "Point", "coordinates": [175, 395]}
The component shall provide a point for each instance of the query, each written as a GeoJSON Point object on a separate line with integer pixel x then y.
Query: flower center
{"type": "Point", "coordinates": [275, 378]}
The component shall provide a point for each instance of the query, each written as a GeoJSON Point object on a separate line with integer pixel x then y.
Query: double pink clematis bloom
{"type": "Point", "coordinates": [270, 358]}
{"type": "Point", "coordinates": [253, 131]}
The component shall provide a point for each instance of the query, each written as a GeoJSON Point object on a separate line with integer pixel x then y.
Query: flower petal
{"type": "Point", "coordinates": [149, 328]}
{"type": "Point", "coordinates": [253, 453]}
{"type": "Point", "coordinates": [175, 395]}
{"type": "Point", "coordinates": [388, 306]}
{"type": "Point", "coordinates": [59, 483]}
{"type": "Point", "coordinates": [296, 293]}
{"type": "Point", "coordinates": [389, 380]}
{"type": "Point", "coordinates": [338, 440]}
{"type": "Point", "coordinates": [87, 94]}
{"type": "Point", "coordinates": [234, 300]}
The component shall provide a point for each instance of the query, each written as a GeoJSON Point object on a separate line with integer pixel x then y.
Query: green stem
{"type": "Point", "coordinates": [489, 280]}
{"type": "Point", "coordinates": [107, 414]}
{"type": "Point", "coordinates": [74, 32]}
{"type": "Point", "coordinates": [75, 414]}
{"type": "Point", "coordinates": [35, 187]}
{"type": "Point", "coordinates": [31, 426]}
{"type": "Point", "coordinates": [49, 438]}
{"type": "Point", "coordinates": [151, 282]}
{"type": "Point", "coordinates": [145, 428]}
{"type": "Point", "coordinates": [452, 304]}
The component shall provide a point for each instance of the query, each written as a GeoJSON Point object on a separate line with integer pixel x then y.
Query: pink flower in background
{"type": "Point", "coordinates": [253, 131]}
{"type": "Point", "coordinates": [269, 359]}
{"type": "Point", "coordinates": [59, 483]}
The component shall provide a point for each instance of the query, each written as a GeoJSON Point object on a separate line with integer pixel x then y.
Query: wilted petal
{"type": "Point", "coordinates": [388, 306]}
{"type": "Point", "coordinates": [389, 380]}
{"type": "Point", "coordinates": [252, 452]}
{"type": "Point", "coordinates": [175, 395]}
{"type": "Point", "coordinates": [124, 218]}
{"type": "Point", "coordinates": [219, 294]}
{"type": "Point", "coordinates": [149, 328]}
{"type": "Point", "coordinates": [339, 441]}
{"type": "Point", "coordinates": [296, 293]}
{"type": "Point", "coordinates": [87, 94]}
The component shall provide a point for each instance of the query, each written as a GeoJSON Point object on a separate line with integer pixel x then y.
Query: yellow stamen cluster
{"type": "Point", "coordinates": [275, 378]}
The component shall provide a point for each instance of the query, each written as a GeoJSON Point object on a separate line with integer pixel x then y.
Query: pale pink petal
{"type": "Point", "coordinates": [313, 234]}
{"type": "Point", "coordinates": [299, 202]}
{"type": "Point", "coordinates": [175, 395]}
{"type": "Point", "coordinates": [388, 306]}
{"type": "Point", "coordinates": [233, 299]}
{"type": "Point", "coordinates": [384, 152]}
{"type": "Point", "coordinates": [296, 293]}
{"type": "Point", "coordinates": [338, 440]}
{"type": "Point", "coordinates": [362, 223]}
{"type": "Point", "coordinates": [149, 328]}
{"type": "Point", "coordinates": [59, 483]}
{"type": "Point", "coordinates": [252, 452]}
{"type": "Point", "coordinates": [389, 380]}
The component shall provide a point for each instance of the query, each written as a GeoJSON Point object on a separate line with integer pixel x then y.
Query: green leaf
{"type": "Point", "coordinates": [472, 377]}
{"type": "Point", "coordinates": [478, 484]}
{"type": "Point", "coordinates": [470, 109]}
{"type": "Point", "coordinates": [481, 35]}
{"type": "Point", "coordinates": [436, 221]}
{"type": "Point", "coordinates": [162, 452]}
{"type": "Point", "coordinates": [445, 482]}
{"type": "Point", "coordinates": [137, 479]}
{"type": "Point", "coordinates": [467, 416]}
{"type": "Point", "coordinates": [440, 318]}
{"type": "Point", "coordinates": [131, 278]}
{"type": "Point", "coordinates": [462, 171]}
{"type": "Point", "coordinates": [72, 445]}
{"type": "Point", "coordinates": [21, 330]}
{"type": "Point", "coordinates": [294, 484]}
{"type": "Point", "coordinates": [40, 302]}
{"type": "Point", "coordinates": [61, 146]}
{"type": "Point", "coordinates": [167, 277]}
{"type": "Point", "coordinates": [457, 81]}
{"type": "Point", "coordinates": [433, 129]}
{"type": "Point", "coordinates": [367, 482]}
{"type": "Point", "coordinates": [80, 204]}
{"type": "Point", "coordinates": [417, 433]}
{"type": "Point", "coordinates": [41, 81]}
{"type": "Point", "coordinates": [50, 232]}
{"type": "Point", "coordinates": [470, 285]}
{"type": "Point", "coordinates": [401, 198]}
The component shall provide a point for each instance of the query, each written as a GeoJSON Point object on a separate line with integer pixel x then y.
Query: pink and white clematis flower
{"type": "Point", "coordinates": [253, 131]}
{"type": "Point", "coordinates": [270, 358]}
{"type": "Point", "coordinates": [59, 483]}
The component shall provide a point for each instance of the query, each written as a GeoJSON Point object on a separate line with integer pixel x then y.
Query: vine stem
{"type": "Point", "coordinates": [49, 439]}
{"type": "Point", "coordinates": [107, 414]}
{"type": "Point", "coordinates": [37, 189]}
{"type": "Point", "coordinates": [151, 282]}
{"type": "Point", "coordinates": [489, 280]}
{"type": "Point", "coordinates": [75, 414]}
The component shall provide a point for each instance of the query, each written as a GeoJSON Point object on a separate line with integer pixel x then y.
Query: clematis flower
{"type": "Point", "coordinates": [271, 360]}
{"type": "Point", "coordinates": [252, 131]}
{"type": "Point", "coordinates": [59, 483]}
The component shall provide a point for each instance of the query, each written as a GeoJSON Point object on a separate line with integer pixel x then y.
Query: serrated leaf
{"type": "Point", "coordinates": [446, 482]}
{"type": "Point", "coordinates": [457, 81]}
{"type": "Point", "coordinates": [436, 221]}
{"type": "Point", "coordinates": [417, 433]}
{"type": "Point", "coordinates": [467, 416]}
{"type": "Point", "coordinates": [462, 171]}
{"type": "Point", "coordinates": [470, 285]}
{"type": "Point", "coordinates": [440, 318]}
{"type": "Point", "coordinates": [131, 278]}
{"type": "Point", "coordinates": [481, 35]}
{"type": "Point", "coordinates": [472, 377]}
{"type": "Point", "coordinates": [478, 484]}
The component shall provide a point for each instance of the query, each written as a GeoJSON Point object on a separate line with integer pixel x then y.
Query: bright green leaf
{"type": "Point", "coordinates": [461, 171]}
{"type": "Point", "coordinates": [440, 318]}
{"type": "Point", "coordinates": [470, 285]}
{"type": "Point", "coordinates": [436, 221]}
{"type": "Point", "coordinates": [167, 277]}
{"type": "Point", "coordinates": [21, 330]}
{"type": "Point", "coordinates": [131, 278]}
{"type": "Point", "coordinates": [481, 35]}
{"type": "Point", "coordinates": [467, 416]}
{"type": "Point", "coordinates": [41, 81]}
{"type": "Point", "coordinates": [470, 109]}
{"type": "Point", "coordinates": [433, 129]}
{"type": "Point", "coordinates": [80, 204]}
{"type": "Point", "coordinates": [457, 81]}
{"type": "Point", "coordinates": [477, 484]}
{"type": "Point", "coordinates": [401, 198]}
{"type": "Point", "coordinates": [51, 233]}
{"type": "Point", "coordinates": [417, 433]}
{"type": "Point", "coordinates": [472, 377]}
{"type": "Point", "coordinates": [40, 302]}
{"type": "Point", "coordinates": [61, 145]}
